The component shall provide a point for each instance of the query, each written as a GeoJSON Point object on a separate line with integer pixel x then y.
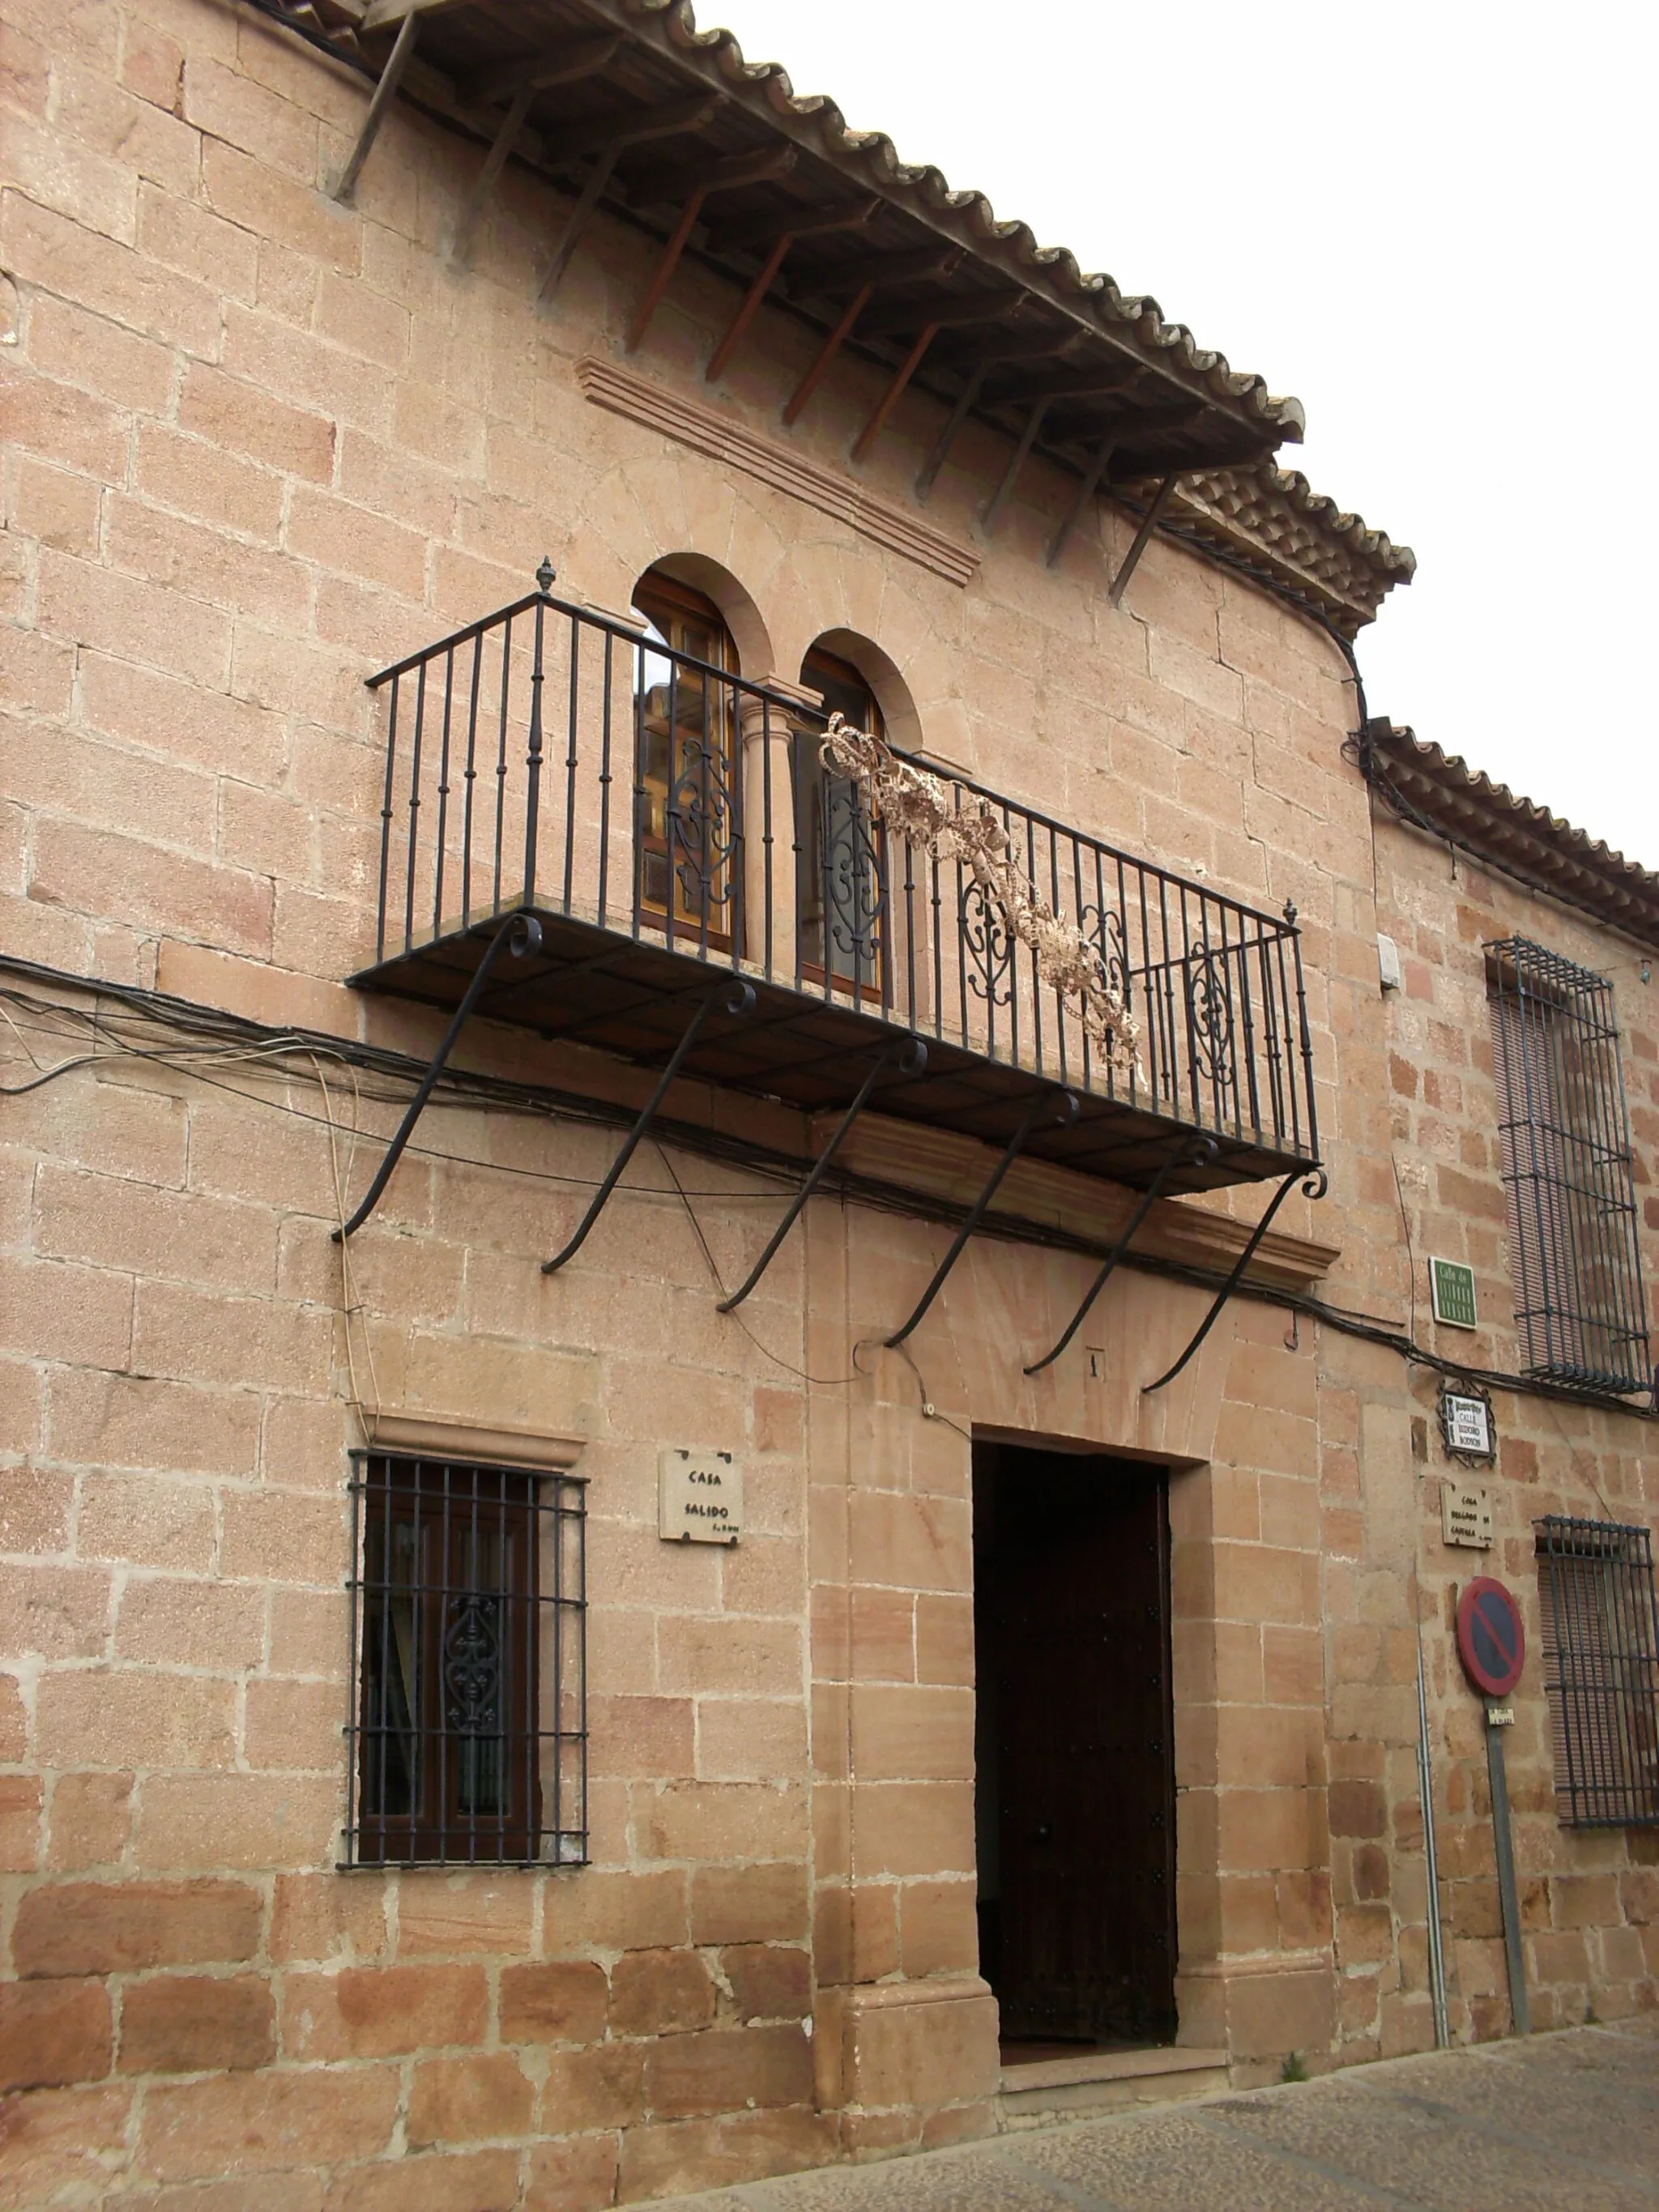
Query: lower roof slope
{"type": "Point", "coordinates": [1436, 792]}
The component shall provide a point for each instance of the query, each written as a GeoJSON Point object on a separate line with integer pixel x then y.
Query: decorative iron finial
{"type": "Point", "coordinates": [1290, 912]}
{"type": "Point", "coordinates": [545, 574]}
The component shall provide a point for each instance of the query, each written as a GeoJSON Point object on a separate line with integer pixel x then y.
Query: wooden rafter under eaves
{"type": "Point", "coordinates": [718, 164]}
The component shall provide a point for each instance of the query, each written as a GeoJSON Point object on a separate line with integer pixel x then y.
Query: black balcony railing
{"type": "Point", "coordinates": [664, 818]}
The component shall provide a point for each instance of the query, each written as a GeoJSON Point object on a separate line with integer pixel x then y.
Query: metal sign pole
{"type": "Point", "coordinates": [1504, 1851]}
{"type": "Point", "coordinates": [1492, 1646]}
{"type": "Point", "coordinates": [1431, 1867]}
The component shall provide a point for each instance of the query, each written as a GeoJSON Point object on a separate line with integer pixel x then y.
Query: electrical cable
{"type": "Point", "coordinates": [820, 1382]}
{"type": "Point", "coordinates": [930, 1411]}
{"type": "Point", "coordinates": [193, 1065]}
{"type": "Point", "coordinates": [226, 1039]}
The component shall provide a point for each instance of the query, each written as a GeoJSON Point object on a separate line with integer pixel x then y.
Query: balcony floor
{"type": "Point", "coordinates": [633, 998]}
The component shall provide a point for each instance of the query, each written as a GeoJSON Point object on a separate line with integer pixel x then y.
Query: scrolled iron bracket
{"type": "Point", "coordinates": [908, 1057]}
{"type": "Point", "coordinates": [1198, 1155]}
{"type": "Point", "coordinates": [519, 935]}
{"type": "Point", "coordinates": [1314, 1185]}
{"type": "Point", "coordinates": [737, 999]}
{"type": "Point", "coordinates": [1049, 1105]}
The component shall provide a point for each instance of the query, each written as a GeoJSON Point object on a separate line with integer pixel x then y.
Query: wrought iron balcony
{"type": "Point", "coordinates": [693, 887]}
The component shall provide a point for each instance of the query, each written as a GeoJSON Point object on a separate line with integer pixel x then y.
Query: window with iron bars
{"type": "Point", "coordinates": [1601, 1669]}
{"type": "Point", "coordinates": [468, 1721]}
{"type": "Point", "coordinates": [1565, 1156]}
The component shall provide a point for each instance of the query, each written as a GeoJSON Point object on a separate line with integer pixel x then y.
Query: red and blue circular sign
{"type": "Point", "coordinates": [1491, 1641]}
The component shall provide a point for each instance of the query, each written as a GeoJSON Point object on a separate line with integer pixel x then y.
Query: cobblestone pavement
{"type": "Point", "coordinates": [1568, 2121]}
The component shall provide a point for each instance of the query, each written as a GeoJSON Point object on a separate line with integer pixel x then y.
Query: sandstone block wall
{"type": "Point", "coordinates": [260, 444]}
{"type": "Point", "coordinates": [1587, 1896]}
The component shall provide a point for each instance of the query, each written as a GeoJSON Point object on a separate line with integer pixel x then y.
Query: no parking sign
{"type": "Point", "coordinates": [1491, 1641]}
{"type": "Point", "coordinates": [1492, 1645]}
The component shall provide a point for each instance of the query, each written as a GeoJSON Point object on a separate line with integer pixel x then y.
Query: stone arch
{"type": "Point", "coordinates": [737, 606]}
{"type": "Point", "coordinates": [880, 671]}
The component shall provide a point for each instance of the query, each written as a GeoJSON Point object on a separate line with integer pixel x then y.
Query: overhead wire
{"type": "Point", "coordinates": [221, 1040]}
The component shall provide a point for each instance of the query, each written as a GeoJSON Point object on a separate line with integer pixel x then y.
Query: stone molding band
{"type": "Point", "coordinates": [608, 384]}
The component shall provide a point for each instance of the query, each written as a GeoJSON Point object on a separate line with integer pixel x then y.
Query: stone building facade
{"type": "Point", "coordinates": [267, 439]}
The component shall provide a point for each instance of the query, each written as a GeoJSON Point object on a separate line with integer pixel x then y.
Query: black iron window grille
{"type": "Point", "coordinates": [468, 1727]}
{"type": "Point", "coordinates": [1565, 1156]}
{"type": "Point", "coordinates": [1601, 1669]}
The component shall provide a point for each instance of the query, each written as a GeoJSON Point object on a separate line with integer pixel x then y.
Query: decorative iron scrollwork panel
{"type": "Point", "coordinates": [473, 1679]}
{"type": "Point", "coordinates": [854, 895]}
{"type": "Point", "coordinates": [703, 829]}
{"type": "Point", "coordinates": [1210, 1018]}
{"type": "Point", "coordinates": [990, 945]}
{"type": "Point", "coordinates": [1103, 927]}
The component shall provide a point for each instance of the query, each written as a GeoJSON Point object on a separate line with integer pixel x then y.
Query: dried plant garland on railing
{"type": "Point", "coordinates": [949, 823]}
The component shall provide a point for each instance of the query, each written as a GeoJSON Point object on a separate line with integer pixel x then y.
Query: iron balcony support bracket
{"type": "Point", "coordinates": [1313, 1186]}
{"type": "Point", "coordinates": [1199, 1155]}
{"type": "Point", "coordinates": [910, 1054]}
{"type": "Point", "coordinates": [738, 999]}
{"type": "Point", "coordinates": [521, 935]}
{"type": "Point", "coordinates": [1060, 1106]}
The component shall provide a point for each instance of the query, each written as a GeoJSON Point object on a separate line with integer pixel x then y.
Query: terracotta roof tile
{"type": "Point", "coordinates": [1445, 795]}
{"type": "Point", "coordinates": [1248, 512]}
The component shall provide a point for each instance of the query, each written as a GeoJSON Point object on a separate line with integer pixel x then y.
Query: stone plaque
{"type": "Point", "coordinates": [1466, 1515]}
{"type": "Point", "coordinates": [699, 1496]}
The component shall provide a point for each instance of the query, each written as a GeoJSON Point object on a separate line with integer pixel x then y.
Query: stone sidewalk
{"type": "Point", "coordinates": [1568, 2121]}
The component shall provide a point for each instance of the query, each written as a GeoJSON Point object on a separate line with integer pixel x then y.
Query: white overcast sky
{"type": "Point", "coordinates": [1434, 224]}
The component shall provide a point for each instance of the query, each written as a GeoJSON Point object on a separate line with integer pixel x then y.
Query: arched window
{"type": "Point", "coordinates": [686, 719]}
{"type": "Point", "coordinates": [840, 865]}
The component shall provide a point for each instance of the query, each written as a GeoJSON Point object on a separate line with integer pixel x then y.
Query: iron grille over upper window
{"type": "Point", "coordinates": [1566, 1164]}
{"type": "Point", "coordinates": [1601, 1669]}
{"type": "Point", "coordinates": [469, 1730]}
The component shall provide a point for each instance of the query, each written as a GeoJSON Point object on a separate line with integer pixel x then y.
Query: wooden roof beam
{"type": "Point", "coordinates": [966, 400]}
{"type": "Point", "coordinates": [891, 269]}
{"type": "Point", "coordinates": [1130, 424]}
{"type": "Point", "coordinates": [847, 216]}
{"type": "Point", "coordinates": [881, 268]}
{"type": "Point", "coordinates": [672, 182]}
{"type": "Point", "coordinates": [493, 162]}
{"type": "Point", "coordinates": [944, 314]}
{"type": "Point", "coordinates": [966, 354]}
{"type": "Point", "coordinates": [664, 122]}
{"type": "Point", "coordinates": [1088, 485]}
{"type": "Point", "coordinates": [1149, 523]}
{"type": "Point", "coordinates": [1017, 461]}
{"type": "Point", "coordinates": [760, 233]}
{"type": "Point", "coordinates": [387, 15]}
{"type": "Point", "coordinates": [722, 176]}
{"type": "Point", "coordinates": [519, 85]}
{"type": "Point", "coordinates": [566, 65]}
{"type": "Point", "coordinates": [632, 128]}
{"type": "Point", "coordinates": [379, 107]}
{"type": "Point", "coordinates": [1075, 384]}
{"type": "Point", "coordinates": [890, 398]}
{"type": "Point", "coordinates": [1011, 345]}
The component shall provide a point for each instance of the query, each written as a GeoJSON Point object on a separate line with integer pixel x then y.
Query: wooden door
{"type": "Point", "coordinates": [1076, 1811]}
